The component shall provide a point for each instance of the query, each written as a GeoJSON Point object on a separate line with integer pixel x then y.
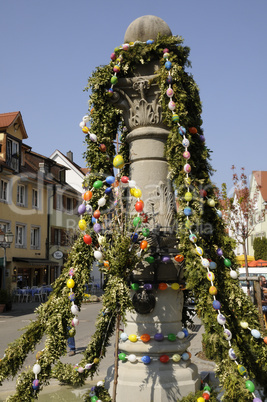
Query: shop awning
{"type": "Point", "coordinates": [36, 261]}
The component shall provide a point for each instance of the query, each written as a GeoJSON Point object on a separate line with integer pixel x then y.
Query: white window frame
{"type": "Point", "coordinates": [4, 226]}
{"type": "Point", "coordinates": [4, 190]}
{"type": "Point", "coordinates": [21, 195]}
{"type": "Point", "coordinates": [35, 237]}
{"type": "Point", "coordinates": [20, 236]}
{"type": "Point", "coordinates": [35, 198]}
{"type": "Point", "coordinates": [59, 202]}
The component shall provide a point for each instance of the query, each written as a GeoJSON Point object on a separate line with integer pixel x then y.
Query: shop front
{"type": "Point", "coordinates": [28, 272]}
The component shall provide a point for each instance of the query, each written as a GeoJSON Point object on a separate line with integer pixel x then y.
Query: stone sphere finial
{"type": "Point", "coordinates": [146, 27]}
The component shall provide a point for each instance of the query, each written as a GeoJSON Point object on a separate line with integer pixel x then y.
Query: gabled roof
{"type": "Point", "coordinates": [8, 119]}
{"type": "Point", "coordinates": [82, 170]}
{"type": "Point", "coordinates": [261, 180]}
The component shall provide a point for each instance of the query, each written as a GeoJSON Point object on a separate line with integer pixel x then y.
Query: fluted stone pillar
{"type": "Point", "coordinates": [138, 96]}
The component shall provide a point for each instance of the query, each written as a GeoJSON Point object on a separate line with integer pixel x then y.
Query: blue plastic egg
{"type": "Point", "coordinates": [93, 220]}
{"type": "Point", "coordinates": [216, 305]}
{"type": "Point", "coordinates": [110, 180]}
{"type": "Point", "coordinates": [255, 333]}
{"type": "Point", "coordinates": [182, 130]}
{"type": "Point", "coordinates": [185, 332]}
{"type": "Point", "coordinates": [185, 356]}
{"type": "Point", "coordinates": [168, 65]}
{"type": "Point", "coordinates": [146, 359]}
{"type": "Point", "coordinates": [149, 41]}
{"type": "Point", "coordinates": [213, 265]}
{"type": "Point", "coordinates": [108, 190]}
{"type": "Point", "coordinates": [187, 211]}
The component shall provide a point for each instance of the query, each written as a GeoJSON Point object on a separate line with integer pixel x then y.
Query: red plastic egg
{"type": "Point", "coordinates": [102, 147]}
{"type": "Point", "coordinates": [164, 359]}
{"type": "Point", "coordinates": [139, 206]}
{"type": "Point", "coordinates": [162, 286]}
{"type": "Point", "coordinates": [192, 130]}
{"type": "Point", "coordinates": [203, 193]}
{"type": "Point", "coordinates": [124, 179]}
{"type": "Point", "coordinates": [87, 239]}
{"type": "Point", "coordinates": [96, 214]}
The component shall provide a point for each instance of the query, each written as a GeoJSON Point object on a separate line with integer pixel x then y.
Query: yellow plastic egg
{"type": "Point", "coordinates": [70, 283]}
{"type": "Point", "coordinates": [82, 224]}
{"type": "Point", "coordinates": [176, 358]}
{"type": "Point", "coordinates": [175, 286]}
{"type": "Point", "coordinates": [132, 338]}
{"type": "Point", "coordinates": [210, 276]}
{"type": "Point", "coordinates": [188, 196]}
{"type": "Point", "coordinates": [132, 191]}
{"type": "Point", "coordinates": [118, 162]}
{"type": "Point", "coordinates": [96, 360]}
{"type": "Point", "coordinates": [85, 129]}
{"type": "Point", "coordinates": [137, 192]}
{"type": "Point", "coordinates": [213, 290]}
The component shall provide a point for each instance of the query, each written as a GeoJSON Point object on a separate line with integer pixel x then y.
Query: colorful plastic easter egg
{"type": "Point", "coordinates": [145, 232]}
{"type": "Point", "coordinates": [182, 130]}
{"type": "Point", "coordinates": [213, 290]}
{"type": "Point", "coordinates": [210, 276]}
{"type": "Point", "coordinates": [96, 214]}
{"type": "Point", "coordinates": [159, 337]}
{"type": "Point", "coordinates": [148, 286]}
{"type": "Point", "coordinates": [180, 335]}
{"type": "Point", "coordinates": [89, 209]}
{"type": "Point", "coordinates": [87, 195]}
{"type": "Point", "coordinates": [199, 251]}
{"type": "Point", "coordinates": [35, 385]}
{"type": "Point", "coordinates": [102, 201]}
{"type": "Point", "coordinates": [82, 224]}
{"type": "Point", "coordinates": [71, 296]}
{"type": "Point", "coordinates": [188, 196]}
{"type": "Point", "coordinates": [219, 252]}
{"type": "Point", "coordinates": [97, 228]}
{"type": "Point", "coordinates": [186, 155]}
{"type": "Point", "coordinates": [233, 274]}
{"type": "Point", "coordinates": [192, 130]}
{"type": "Point", "coordinates": [114, 80]}
{"type": "Point", "coordinates": [93, 137]}
{"type": "Point", "coordinates": [70, 283]}
{"type": "Point", "coordinates": [143, 244]}
{"type": "Point", "coordinates": [122, 356]}
{"type": "Point", "coordinates": [213, 265]}
{"type": "Point", "coordinates": [216, 305]}
{"type": "Point", "coordinates": [241, 369]}
{"type": "Point", "coordinates": [166, 55]}
{"type": "Point", "coordinates": [175, 286]}
{"type": "Point", "coordinates": [102, 147]}
{"type": "Point", "coordinates": [133, 338]}
{"type": "Point", "coordinates": [87, 239]}
{"type": "Point", "coordinates": [202, 193]}
{"type": "Point", "coordinates": [150, 259]}
{"type": "Point", "coordinates": [187, 168]}
{"type": "Point", "coordinates": [118, 162]}
{"type": "Point", "coordinates": [211, 202]}
{"type": "Point", "coordinates": [187, 211]}
{"type": "Point", "coordinates": [250, 386]}
{"type": "Point", "coordinates": [185, 143]}
{"type": "Point", "coordinates": [110, 180]}
{"type": "Point", "coordinates": [39, 354]}
{"type": "Point", "coordinates": [137, 193]}
{"type": "Point", "coordinates": [185, 331]}
{"type": "Point", "coordinates": [227, 334]}
{"type": "Point", "coordinates": [171, 105]}
{"type": "Point", "coordinates": [164, 358]}
{"type": "Point", "coordinates": [116, 69]}
{"type": "Point", "coordinates": [185, 356]}
{"type": "Point", "coordinates": [205, 262]}
{"type": "Point", "coordinates": [265, 340]}
{"type": "Point", "coordinates": [201, 399]}
{"type": "Point", "coordinates": [145, 359]}
{"type": "Point", "coordinates": [81, 209]}
{"type": "Point", "coordinates": [219, 213]}
{"type": "Point", "coordinates": [132, 358]}
{"type": "Point", "coordinates": [169, 79]}
{"type": "Point", "coordinates": [202, 138]}
{"type": "Point", "coordinates": [176, 358]}
{"type": "Point", "coordinates": [175, 118]}
{"type": "Point", "coordinates": [169, 92]}
{"type": "Point", "coordinates": [255, 333]}
{"type": "Point", "coordinates": [221, 319]}
{"type": "Point", "coordinates": [85, 129]}
{"type": "Point", "coordinates": [139, 206]}
{"type": "Point", "coordinates": [113, 56]}
{"type": "Point", "coordinates": [187, 181]}
{"type": "Point", "coordinates": [36, 368]}
{"type": "Point", "coordinates": [179, 258]}
{"type": "Point", "coordinates": [123, 336]}
{"type": "Point", "coordinates": [126, 46]}
{"type": "Point", "coordinates": [136, 221]}
{"type": "Point", "coordinates": [135, 286]}
{"type": "Point", "coordinates": [171, 337]}
{"type": "Point", "coordinates": [98, 184]}
{"type": "Point", "coordinates": [244, 324]}
{"type": "Point", "coordinates": [145, 338]}
{"type": "Point", "coordinates": [227, 262]}
{"type": "Point", "coordinates": [168, 65]}
{"type": "Point", "coordinates": [124, 179]}
{"type": "Point", "coordinates": [98, 255]}
{"type": "Point", "coordinates": [193, 238]}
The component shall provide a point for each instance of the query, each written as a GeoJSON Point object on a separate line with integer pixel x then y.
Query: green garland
{"type": "Point", "coordinates": [53, 317]}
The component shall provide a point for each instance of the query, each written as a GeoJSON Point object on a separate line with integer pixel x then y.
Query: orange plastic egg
{"type": "Point", "coordinates": [106, 264]}
{"type": "Point", "coordinates": [145, 338]}
{"type": "Point", "coordinates": [87, 195]}
{"type": "Point", "coordinates": [162, 286]}
{"type": "Point", "coordinates": [96, 214]}
{"type": "Point", "coordinates": [179, 258]}
{"type": "Point", "coordinates": [143, 244]}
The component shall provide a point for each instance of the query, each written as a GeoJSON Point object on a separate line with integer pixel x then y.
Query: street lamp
{"type": "Point", "coordinates": [5, 241]}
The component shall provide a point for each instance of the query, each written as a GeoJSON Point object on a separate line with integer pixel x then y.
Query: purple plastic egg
{"type": "Point", "coordinates": [219, 252]}
{"type": "Point", "coordinates": [35, 385]}
{"type": "Point", "coordinates": [81, 209]}
{"type": "Point", "coordinates": [165, 258]}
{"type": "Point", "coordinates": [97, 227]}
{"type": "Point", "coordinates": [148, 286]}
{"type": "Point", "coordinates": [159, 337]}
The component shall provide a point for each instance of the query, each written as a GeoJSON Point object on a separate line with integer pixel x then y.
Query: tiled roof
{"type": "Point", "coordinates": [6, 119]}
{"type": "Point", "coordinates": [261, 179]}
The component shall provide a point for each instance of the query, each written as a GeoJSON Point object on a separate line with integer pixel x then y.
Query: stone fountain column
{"type": "Point", "coordinates": [138, 96]}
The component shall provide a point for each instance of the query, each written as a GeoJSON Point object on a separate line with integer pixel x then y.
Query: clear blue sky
{"type": "Point", "coordinates": [50, 48]}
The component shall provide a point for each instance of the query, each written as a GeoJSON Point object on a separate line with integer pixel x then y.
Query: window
{"type": "Point", "coordinates": [21, 195]}
{"type": "Point", "coordinates": [35, 237]}
{"type": "Point", "coordinates": [59, 202]}
{"type": "Point", "coordinates": [20, 236]}
{"type": "Point", "coordinates": [69, 205]}
{"type": "Point", "coordinates": [4, 190]}
{"type": "Point", "coordinates": [35, 198]}
{"type": "Point", "coordinates": [57, 237]}
{"type": "Point", "coordinates": [12, 154]}
{"type": "Point", "coordinates": [4, 226]}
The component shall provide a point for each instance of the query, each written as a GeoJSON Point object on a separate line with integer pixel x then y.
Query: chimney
{"type": "Point", "coordinates": [70, 156]}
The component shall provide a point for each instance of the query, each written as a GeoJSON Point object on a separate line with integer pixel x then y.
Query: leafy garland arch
{"type": "Point", "coordinates": [54, 316]}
